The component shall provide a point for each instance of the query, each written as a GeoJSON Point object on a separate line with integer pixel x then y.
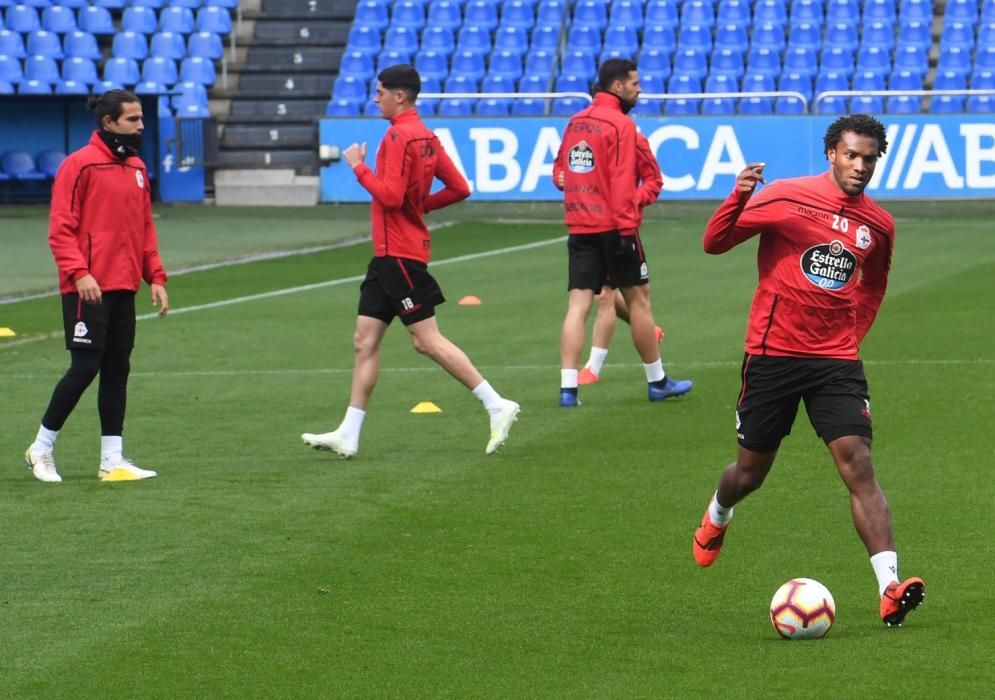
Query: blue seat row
{"type": "Point", "coordinates": [98, 20]}
{"type": "Point", "coordinates": [126, 45]}
{"type": "Point", "coordinates": [121, 71]}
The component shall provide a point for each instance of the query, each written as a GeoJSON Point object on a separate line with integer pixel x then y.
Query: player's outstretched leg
{"type": "Point", "coordinates": [899, 599]}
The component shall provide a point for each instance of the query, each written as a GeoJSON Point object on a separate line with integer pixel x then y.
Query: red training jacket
{"type": "Point", "coordinates": [409, 158]}
{"type": "Point", "coordinates": [101, 221]}
{"type": "Point", "coordinates": [650, 179]}
{"type": "Point", "coordinates": [598, 159]}
{"type": "Point", "coordinates": [823, 263]}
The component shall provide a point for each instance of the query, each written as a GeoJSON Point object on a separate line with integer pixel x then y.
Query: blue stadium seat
{"type": "Point", "coordinates": [11, 44]}
{"type": "Point", "coordinates": [988, 10]}
{"type": "Point", "coordinates": [915, 11]}
{"type": "Point", "coordinates": [955, 59]}
{"type": "Point", "coordinates": [646, 108]}
{"type": "Point", "coordinates": [71, 87]}
{"type": "Point", "coordinates": [836, 60]}
{"type": "Point", "coordinates": [545, 38]}
{"type": "Point", "coordinates": [5, 89]}
{"type": "Point", "coordinates": [198, 70]}
{"type": "Point", "coordinates": [438, 39]}
{"type": "Point", "coordinates": [180, 19]}
{"type": "Point", "coordinates": [843, 11]}
{"type": "Point", "coordinates": [983, 80]}
{"type": "Point", "coordinates": [732, 36]}
{"type": "Point", "coordinates": [530, 107]}
{"type": "Point", "coordinates": [984, 59]}
{"type": "Point", "coordinates": [480, 14]}
{"type": "Point", "coordinates": [341, 108]}
{"type": "Point", "coordinates": [766, 61]}
{"type": "Point", "coordinates": [626, 13]}
{"type": "Point", "coordinates": [139, 19]}
{"type": "Point", "coordinates": [541, 63]}
{"type": "Point", "coordinates": [429, 64]}
{"type": "Point", "coordinates": [23, 19]}
{"type": "Point", "coordinates": [360, 65]}
{"type": "Point", "coordinates": [915, 34]}
{"type": "Point", "coordinates": [880, 11]}
{"type": "Point", "coordinates": [205, 45]}
{"type": "Point", "coordinates": [58, 19]}
{"type": "Point", "coordinates": [445, 14]}
{"type": "Point", "coordinates": [80, 44]}
{"type": "Point", "coordinates": [697, 12]}
{"type": "Point", "coordinates": [965, 11]}
{"type": "Point", "coordinates": [620, 38]}
{"type": "Point", "coordinates": [512, 39]}
{"type": "Point", "coordinates": [549, 13]}
{"type": "Point", "coordinates": [41, 68]}
{"type": "Point", "coordinates": [129, 45]}
{"type": "Point", "coordinates": [770, 12]}
{"type": "Point", "coordinates": [568, 106]}
{"type": "Point", "coordinates": [371, 14]}
{"type": "Point", "coordinates": [227, 4]}
{"type": "Point", "coordinates": [735, 12]}
{"type": "Point", "coordinates": [590, 13]}
{"type": "Point", "coordinates": [793, 82]}
{"type": "Point", "coordinates": [10, 69]}
{"type": "Point", "coordinates": [866, 103]}
{"type": "Point", "coordinates": [456, 108]}
{"type": "Point", "coordinates": [874, 58]}
{"type": "Point", "coordinates": [96, 20]}
{"type": "Point", "coordinates": [44, 43]}
{"type": "Point", "coordinates": [957, 34]}
{"type": "Point", "coordinates": [149, 87]}
{"type": "Point", "coordinates": [911, 58]}
{"type": "Point", "coordinates": [944, 104]}
{"type": "Point", "coordinates": [116, 5]}
{"type": "Point", "coordinates": [491, 107]}
{"type": "Point", "coordinates": [469, 65]}
{"type": "Point", "coordinates": [691, 62]}
{"type": "Point", "coordinates": [623, 53]}
{"type": "Point", "coordinates": [904, 104]}
{"type": "Point", "coordinates": [74, 4]}
{"type": "Point", "coordinates": [567, 82]}
{"type": "Point", "coordinates": [160, 70]}
{"type": "Point", "coordinates": [192, 91]}
{"type": "Point", "coordinates": [192, 4]}
{"type": "Point", "coordinates": [980, 104]}
{"type": "Point", "coordinates": [660, 37]}
{"type": "Point", "coordinates": [168, 45]}
{"type": "Point", "coordinates": [805, 36]}
{"type": "Point", "coordinates": [19, 164]}
{"type": "Point", "coordinates": [371, 109]}
{"type": "Point", "coordinates": [878, 34]}
{"type": "Point", "coordinates": [518, 13]}
{"type": "Point", "coordinates": [34, 87]}
{"type": "Point", "coordinates": [121, 71]}
{"type": "Point", "coordinates": [428, 106]}
{"type": "Point", "coordinates": [808, 11]}
{"type": "Point", "coordinates": [653, 84]}
{"type": "Point", "coordinates": [505, 64]}
{"type": "Point", "coordinates": [842, 35]}
{"type": "Point", "coordinates": [405, 14]}
{"type": "Point", "coordinates": [349, 88]}
{"type": "Point", "coordinates": [401, 39]}
{"type": "Point", "coordinates": [831, 81]}
{"type": "Point", "coordinates": [720, 105]}
{"type": "Point", "coordinates": [727, 62]}
{"type": "Point", "coordinates": [986, 34]}
{"type": "Point", "coordinates": [768, 36]}
{"type": "Point", "coordinates": [474, 39]}
{"type": "Point", "coordinates": [392, 58]}
{"type": "Point", "coordinates": [655, 61]}
{"type": "Point", "coordinates": [800, 60]}
{"type": "Point", "coordinates": [695, 36]}
{"type": "Point", "coordinates": [498, 83]}
{"type": "Point", "coordinates": [682, 84]}
{"type": "Point", "coordinates": [188, 110]}
{"type": "Point", "coordinates": [662, 13]}
{"type": "Point", "coordinates": [584, 38]}
{"type": "Point", "coordinates": [81, 70]}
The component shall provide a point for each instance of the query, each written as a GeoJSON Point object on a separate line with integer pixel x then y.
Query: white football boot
{"type": "Point", "coordinates": [332, 442]}
{"type": "Point", "coordinates": [42, 465]}
{"type": "Point", "coordinates": [501, 424]}
{"type": "Point", "coordinates": [123, 470]}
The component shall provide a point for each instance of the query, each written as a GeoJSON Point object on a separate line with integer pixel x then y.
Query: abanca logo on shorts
{"type": "Point", "coordinates": [828, 266]}
{"type": "Point", "coordinates": [580, 159]}
{"type": "Point", "coordinates": [79, 331]}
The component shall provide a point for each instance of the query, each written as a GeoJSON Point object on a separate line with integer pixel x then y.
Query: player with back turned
{"type": "Point", "coordinates": [824, 256]}
{"type": "Point", "coordinates": [398, 283]}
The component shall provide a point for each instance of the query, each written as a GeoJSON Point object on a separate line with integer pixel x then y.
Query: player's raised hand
{"type": "Point", "coordinates": [747, 180]}
{"type": "Point", "coordinates": [355, 154]}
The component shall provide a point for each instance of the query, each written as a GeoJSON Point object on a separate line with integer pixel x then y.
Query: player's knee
{"type": "Point", "coordinates": [85, 365]}
{"type": "Point", "coordinates": [363, 343]}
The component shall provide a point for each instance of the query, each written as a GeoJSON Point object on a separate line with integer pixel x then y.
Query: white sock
{"type": "Point", "coordinates": [654, 371]}
{"type": "Point", "coordinates": [490, 398]}
{"type": "Point", "coordinates": [45, 441]}
{"type": "Point", "coordinates": [111, 448]}
{"type": "Point", "coordinates": [885, 568]}
{"type": "Point", "coordinates": [352, 424]}
{"type": "Point", "coordinates": [568, 378]}
{"type": "Point", "coordinates": [719, 515]}
{"type": "Point", "coordinates": [597, 359]}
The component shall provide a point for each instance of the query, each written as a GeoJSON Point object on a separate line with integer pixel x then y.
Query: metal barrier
{"type": "Point", "coordinates": [898, 93]}
{"type": "Point", "coordinates": [583, 95]}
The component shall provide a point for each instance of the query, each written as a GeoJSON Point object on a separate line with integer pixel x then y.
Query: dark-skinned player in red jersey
{"type": "Point", "coordinates": [397, 282]}
{"type": "Point", "coordinates": [824, 256]}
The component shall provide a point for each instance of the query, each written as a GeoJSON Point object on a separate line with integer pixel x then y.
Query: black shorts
{"type": "Point", "coordinates": [834, 392]}
{"type": "Point", "coordinates": [107, 325]}
{"type": "Point", "coordinates": [399, 287]}
{"type": "Point", "coordinates": [599, 259]}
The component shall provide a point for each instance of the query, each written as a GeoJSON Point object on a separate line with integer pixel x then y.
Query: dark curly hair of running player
{"type": "Point", "coordinates": [862, 124]}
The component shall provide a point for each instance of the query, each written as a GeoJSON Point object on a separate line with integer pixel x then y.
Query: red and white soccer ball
{"type": "Point", "coordinates": [802, 609]}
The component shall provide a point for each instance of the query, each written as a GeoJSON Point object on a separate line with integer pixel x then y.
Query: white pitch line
{"type": "Point", "coordinates": [302, 288]}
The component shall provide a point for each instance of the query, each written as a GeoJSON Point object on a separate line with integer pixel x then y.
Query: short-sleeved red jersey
{"type": "Point", "coordinates": [598, 159]}
{"type": "Point", "coordinates": [409, 159]}
{"type": "Point", "coordinates": [823, 263]}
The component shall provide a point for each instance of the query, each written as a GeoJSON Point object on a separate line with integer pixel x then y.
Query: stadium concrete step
{"type": "Point", "coordinates": [275, 110]}
{"type": "Point", "coordinates": [309, 9]}
{"type": "Point", "coordinates": [239, 136]}
{"type": "Point", "coordinates": [301, 32]}
{"type": "Point", "coordinates": [251, 187]}
{"type": "Point", "coordinates": [293, 59]}
{"type": "Point", "coordinates": [314, 86]}
{"type": "Point", "coordinates": [303, 161]}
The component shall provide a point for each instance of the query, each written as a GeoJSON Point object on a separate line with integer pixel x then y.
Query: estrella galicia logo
{"type": "Point", "coordinates": [829, 266]}
{"type": "Point", "coordinates": [580, 159]}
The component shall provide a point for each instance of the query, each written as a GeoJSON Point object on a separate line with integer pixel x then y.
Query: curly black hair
{"type": "Point", "coordinates": [862, 124]}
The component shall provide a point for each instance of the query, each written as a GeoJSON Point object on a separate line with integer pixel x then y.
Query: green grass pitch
{"type": "Point", "coordinates": [559, 567]}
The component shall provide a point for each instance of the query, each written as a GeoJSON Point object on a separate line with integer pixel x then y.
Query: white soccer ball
{"type": "Point", "coordinates": [802, 609]}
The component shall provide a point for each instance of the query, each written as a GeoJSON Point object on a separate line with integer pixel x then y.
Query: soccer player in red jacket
{"type": "Point", "coordinates": [598, 159]}
{"type": "Point", "coordinates": [397, 282]}
{"type": "Point", "coordinates": [824, 256]}
{"type": "Point", "coordinates": [104, 242]}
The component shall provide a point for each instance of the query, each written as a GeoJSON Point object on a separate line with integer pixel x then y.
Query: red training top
{"type": "Point", "coordinates": [409, 158]}
{"type": "Point", "coordinates": [823, 263]}
{"type": "Point", "coordinates": [101, 221]}
{"type": "Point", "coordinates": [598, 159]}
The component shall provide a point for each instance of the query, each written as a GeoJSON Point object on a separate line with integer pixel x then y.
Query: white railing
{"type": "Point", "coordinates": [899, 93]}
